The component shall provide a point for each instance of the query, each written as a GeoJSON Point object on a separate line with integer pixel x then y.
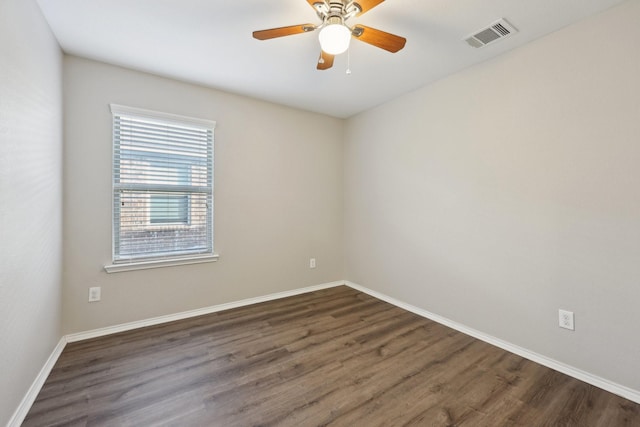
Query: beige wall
{"type": "Point", "coordinates": [31, 194]}
{"type": "Point", "coordinates": [509, 190]}
{"type": "Point", "coordinates": [278, 199]}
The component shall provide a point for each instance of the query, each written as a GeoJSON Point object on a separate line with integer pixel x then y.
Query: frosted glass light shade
{"type": "Point", "coordinates": [334, 39]}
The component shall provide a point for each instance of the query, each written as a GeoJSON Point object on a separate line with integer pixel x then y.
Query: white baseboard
{"type": "Point", "coordinates": [620, 390]}
{"type": "Point", "coordinates": [23, 409]}
{"type": "Point", "coordinates": [193, 313]}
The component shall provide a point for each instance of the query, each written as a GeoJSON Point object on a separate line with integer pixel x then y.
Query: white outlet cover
{"type": "Point", "coordinates": [94, 294]}
{"type": "Point", "coordinates": [566, 319]}
{"type": "Point", "coordinates": [312, 263]}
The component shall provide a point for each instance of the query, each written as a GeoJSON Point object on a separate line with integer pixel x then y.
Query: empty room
{"type": "Point", "coordinates": [319, 213]}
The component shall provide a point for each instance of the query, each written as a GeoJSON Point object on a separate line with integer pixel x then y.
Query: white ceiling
{"type": "Point", "coordinates": [209, 42]}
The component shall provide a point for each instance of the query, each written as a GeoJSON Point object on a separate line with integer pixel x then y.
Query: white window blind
{"type": "Point", "coordinates": [162, 185]}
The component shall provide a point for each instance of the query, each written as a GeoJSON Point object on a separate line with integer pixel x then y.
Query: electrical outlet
{"type": "Point", "coordinates": [565, 319]}
{"type": "Point", "coordinates": [94, 294]}
{"type": "Point", "coordinates": [312, 263]}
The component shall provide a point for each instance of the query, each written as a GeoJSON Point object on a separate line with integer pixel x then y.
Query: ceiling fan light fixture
{"type": "Point", "coordinates": [334, 38]}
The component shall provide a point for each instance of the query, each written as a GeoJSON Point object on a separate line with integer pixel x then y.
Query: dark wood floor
{"type": "Point", "coordinates": [332, 357]}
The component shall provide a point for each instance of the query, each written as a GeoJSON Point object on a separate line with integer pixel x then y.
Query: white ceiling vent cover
{"type": "Point", "coordinates": [496, 31]}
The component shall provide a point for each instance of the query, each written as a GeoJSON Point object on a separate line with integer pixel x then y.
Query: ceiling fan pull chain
{"type": "Point", "coordinates": [348, 61]}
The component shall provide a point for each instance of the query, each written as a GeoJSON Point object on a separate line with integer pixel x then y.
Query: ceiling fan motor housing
{"type": "Point", "coordinates": [336, 9]}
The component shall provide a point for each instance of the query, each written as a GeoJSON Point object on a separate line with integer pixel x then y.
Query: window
{"type": "Point", "coordinates": [169, 209]}
{"type": "Point", "coordinates": [162, 186]}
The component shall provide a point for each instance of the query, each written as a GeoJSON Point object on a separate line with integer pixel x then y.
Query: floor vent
{"type": "Point", "coordinates": [496, 31]}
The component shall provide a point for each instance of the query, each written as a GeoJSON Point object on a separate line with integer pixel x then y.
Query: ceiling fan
{"type": "Point", "coordinates": [335, 35]}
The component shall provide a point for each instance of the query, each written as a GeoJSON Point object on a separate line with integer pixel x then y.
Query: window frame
{"type": "Point", "coordinates": [135, 263]}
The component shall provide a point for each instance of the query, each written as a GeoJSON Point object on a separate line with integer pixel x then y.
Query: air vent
{"type": "Point", "coordinates": [496, 31]}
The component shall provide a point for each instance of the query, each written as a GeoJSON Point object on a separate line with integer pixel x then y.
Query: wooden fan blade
{"type": "Point", "coordinates": [325, 61]}
{"type": "Point", "coordinates": [283, 31]}
{"type": "Point", "coordinates": [386, 41]}
{"type": "Point", "coordinates": [365, 5]}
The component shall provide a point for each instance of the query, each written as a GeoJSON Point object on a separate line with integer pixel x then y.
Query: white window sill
{"type": "Point", "coordinates": [144, 265]}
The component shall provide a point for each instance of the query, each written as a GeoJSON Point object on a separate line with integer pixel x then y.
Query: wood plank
{"type": "Point", "coordinates": [332, 357]}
